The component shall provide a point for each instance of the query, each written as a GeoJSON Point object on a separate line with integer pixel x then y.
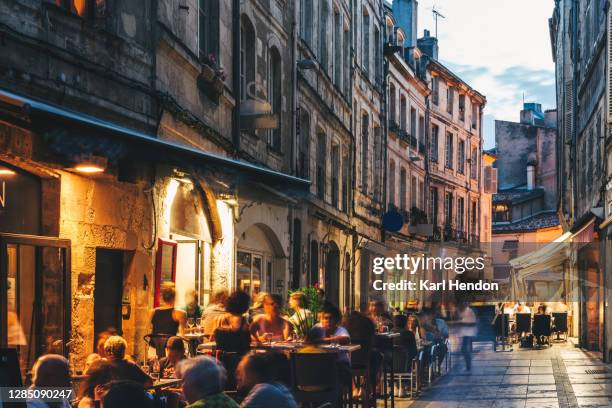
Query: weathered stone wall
{"type": "Point", "coordinates": [104, 213]}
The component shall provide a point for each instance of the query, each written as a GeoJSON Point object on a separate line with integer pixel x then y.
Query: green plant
{"type": "Point", "coordinates": [303, 322]}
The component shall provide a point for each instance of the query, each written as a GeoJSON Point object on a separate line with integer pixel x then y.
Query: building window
{"type": "Point", "coordinates": [366, 41]}
{"type": "Point", "coordinates": [306, 11]}
{"type": "Point", "coordinates": [448, 209]}
{"type": "Point", "coordinates": [474, 116]}
{"type": "Point", "coordinates": [474, 218]}
{"type": "Point", "coordinates": [377, 57]}
{"type": "Point", "coordinates": [450, 99]}
{"type": "Point", "coordinates": [474, 164]}
{"type": "Point", "coordinates": [247, 59]}
{"type": "Point", "coordinates": [501, 213]}
{"type": "Point", "coordinates": [403, 191]}
{"type": "Point", "coordinates": [449, 151]}
{"type": "Point", "coordinates": [392, 184]}
{"type": "Point", "coordinates": [462, 108]}
{"type": "Point", "coordinates": [347, 62]}
{"type": "Point", "coordinates": [392, 96]}
{"type": "Point", "coordinates": [337, 49]}
{"type": "Point", "coordinates": [460, 214]}
{"type": "Point", "coordinates": [413, 124]}
{"type": "Point", "coordinates": [304, 146]}
{"type": "Point", "coordinates": [435, 90]}
{"type": "Point", "coordinates": [403, 112]}
{"type": "Point", "coordinates": [208, 29]}
{"type": "Point", "coordinates": [435, 130]}
{"type": "Point", "coordinates": [433, 206]}
{"type": "Point", "coordinates": [275, 96]}
{"type": "Point", "coordinates": [421, 195]}
{"type": "Point", "coordinates": [413, 192]}
{"type": "Point", "coordinates": [346, 182]}
{"type": "Point", "coordinates": [378, 163]}
{"type": "Point", "coordinates": [323, 40]}
{"type": "Point", "coordinates": [461, 157]}
{"type": "Point", "coordinates": [364, 153]}
{"type": "Point", "coordinates": [421, 138]}
{"type": "Point", "coordinates": [321, 166]}
{"type": "Point", "coordinates": [335, 177]}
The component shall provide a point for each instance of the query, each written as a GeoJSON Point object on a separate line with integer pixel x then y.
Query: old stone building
{"type": "Point", "coordinates": [119, 137]}
{"type": "Point", "coordinates": [324, 234]}
{"type": "Point", "coordinates": [581, 48]}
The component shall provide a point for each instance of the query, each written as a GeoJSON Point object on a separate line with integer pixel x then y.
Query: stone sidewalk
{"type": "Point", "coordinates": [562, 376]}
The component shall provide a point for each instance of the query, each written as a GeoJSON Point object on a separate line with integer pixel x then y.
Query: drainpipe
{"type": "Point", "coordinates": [236, 75]}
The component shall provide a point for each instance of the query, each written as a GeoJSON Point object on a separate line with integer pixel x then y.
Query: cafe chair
{"type": "Point", "coordinates": [502, 332]}
{"type": "Point", "coordinates": [560, 325]}
{"type": "Point", "coordinates": [360, 369]}
{"type": "Point", "coordinates": [405, 368]}
{"type": "Point", "coordinates": [158, 342]}
{"type": "Point", "coordinates": [523, 323]}
{"type": "Point", "coordinates": [315, 378]}
{"type": "Point", "coordinates": [542, 329]}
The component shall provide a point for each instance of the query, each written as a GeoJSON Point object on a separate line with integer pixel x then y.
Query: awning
{"type": "Point", "coordinates": [548, 257]}
{"type": "Point", "coordinates": [159, 145]}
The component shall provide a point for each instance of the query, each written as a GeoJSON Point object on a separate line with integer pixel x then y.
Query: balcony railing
{"type": "Point", "coordinates": [404, 136]}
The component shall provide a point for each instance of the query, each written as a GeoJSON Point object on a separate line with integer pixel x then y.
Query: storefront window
{"type": "Point", "coordinates": [36, 300]}
{"type": "Point", "coordinates": [248, 270]}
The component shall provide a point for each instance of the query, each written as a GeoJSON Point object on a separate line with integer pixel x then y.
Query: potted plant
{"type": "Point", "coordinates": [212, 77]}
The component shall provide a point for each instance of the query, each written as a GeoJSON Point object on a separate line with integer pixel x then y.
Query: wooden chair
{"type": "Point", "coordinates": [315, 378]}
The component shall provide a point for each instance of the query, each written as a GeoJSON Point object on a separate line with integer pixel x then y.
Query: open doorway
{"type": "Point", "coordinates": [108, 290]}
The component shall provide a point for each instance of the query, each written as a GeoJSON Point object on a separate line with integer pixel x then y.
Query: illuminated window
{"type": "Point", "coordinates": [501, 213]}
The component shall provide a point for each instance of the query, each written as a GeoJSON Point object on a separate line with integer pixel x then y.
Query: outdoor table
{"type": "Point", "coordinates": [165, 383]}
{"type": "Point", "coordinates": [193, 340]}
{"type": "Point", "coordinates": [384, 343]}
{"type": "Point", "coordinates": [286, 346]}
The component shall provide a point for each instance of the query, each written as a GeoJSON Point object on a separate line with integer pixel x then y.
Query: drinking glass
{"type": "Point", "coordinates": [190, 324]}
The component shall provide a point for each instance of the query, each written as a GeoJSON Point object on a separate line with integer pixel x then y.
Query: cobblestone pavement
{"type": "Point", "coordinates": [561, 376]}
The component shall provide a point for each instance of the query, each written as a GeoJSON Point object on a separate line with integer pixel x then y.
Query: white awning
{"type": "Point", "coordinates": [546, 258]}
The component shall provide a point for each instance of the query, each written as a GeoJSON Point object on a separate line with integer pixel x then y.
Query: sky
{"type": "Point", "coordinates": [501, 48]}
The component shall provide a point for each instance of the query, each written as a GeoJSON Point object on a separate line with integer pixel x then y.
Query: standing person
{"type": "Point", "coordinates": [166, 319]}
{"type": "Point", "coordinates": [50, 371]}
{"type": "Point", "coordinates": [271, 326]}
{"type": "Point", "coordinates": [214, 311]}
{"type": "Point", "coordinates": [203, 383]}
{"type": "Point", "coordinates": [467, 331]}
{"type": "Point", "coordinates": [192, 307]}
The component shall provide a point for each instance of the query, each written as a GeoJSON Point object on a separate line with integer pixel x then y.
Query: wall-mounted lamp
{"type": "Point", "coordinates": [5, 172]}
{"type": "Point", "coordinates": [229, 199]}
{"type": "Point", "coordinates": [90, 164]}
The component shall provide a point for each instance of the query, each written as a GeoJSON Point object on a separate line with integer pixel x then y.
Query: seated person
{"type": "Point", "coordinates": [213, 312]}
{"type": "Point", "coordinates": [270, 326]}
{"type": "Point", "coordinates": [99, 373]}
{"type": "Point", "coordinates": [260, 377]}
{"type": "Point", "coordinates": [50, 371]}
{"type": "Point", "coordinates": [175, 352]}
{"type": "Point", "coordinates": [124, 394]}
{"type": "Point", "coordinates": [297, 303]}
{"type": "Point", "coordinates": [203, 383]}
{"type": "Point", "coordinates": [406, 339]}
{"type": "Point", "coordinates": [123, 369]}
{"type": "Point", "coordinates": [378, 314]}
{"type": "Point", "coordinates": [334, 333]}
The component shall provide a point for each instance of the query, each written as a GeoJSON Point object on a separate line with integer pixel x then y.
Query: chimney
{"type": "Point", "coordinates": [531, 164]}
{"type": "Point", "coordinates": [429, 45]}
{"type": "Point", "coordinates": [405, 13]}
{"type": "Point", "coordinates": [532, 114]}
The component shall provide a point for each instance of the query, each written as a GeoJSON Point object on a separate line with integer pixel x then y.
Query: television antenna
{"type": "Point", "coordinates": [436, 15]}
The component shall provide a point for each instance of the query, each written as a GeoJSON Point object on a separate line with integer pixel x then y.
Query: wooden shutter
{"type": "Point", "coordinates": [493, 180]}
{"type": "Point", "coordinates": [487, 179]}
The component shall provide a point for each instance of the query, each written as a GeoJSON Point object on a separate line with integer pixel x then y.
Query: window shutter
{"type": "Point", "coordinates": [493, 180]}
{"type": "Point", "coordinates": [214, 28]}
{"type": "Point", "coordinates": [487, 179]}
{"type": "Point", "coordinates": [569, 106]}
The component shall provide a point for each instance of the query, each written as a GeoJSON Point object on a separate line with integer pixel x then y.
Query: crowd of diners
{"type": "Point", "coordinates": [111, 378]}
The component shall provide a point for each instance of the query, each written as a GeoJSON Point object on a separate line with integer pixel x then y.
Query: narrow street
{"type": "Point", "coordinates": [562, 376]}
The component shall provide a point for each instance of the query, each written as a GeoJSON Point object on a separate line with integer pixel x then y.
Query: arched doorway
{"type": "Point", "coordinates": [332, 273]}
{"type": "Point", "coordinates": [260, 261]}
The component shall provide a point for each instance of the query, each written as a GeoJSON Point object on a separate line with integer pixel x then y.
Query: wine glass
{"type": "Point", "coordinates": [190, 324]}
